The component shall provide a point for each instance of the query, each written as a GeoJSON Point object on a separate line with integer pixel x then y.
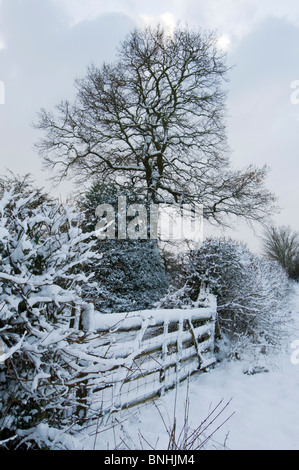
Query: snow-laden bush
{"type": "Point", "coordinates": [253, 294]}
{"type": "Point", "coordinates": [131, 275]}
{"type": "Point", "coordinates": [42, 313]}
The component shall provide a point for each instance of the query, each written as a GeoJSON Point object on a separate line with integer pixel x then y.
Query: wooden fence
{"type": "Point", "coordinates": [143, 354]}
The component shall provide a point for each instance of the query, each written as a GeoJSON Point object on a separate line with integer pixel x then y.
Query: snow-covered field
{"type": "Point", "coordinates": [264, 408]}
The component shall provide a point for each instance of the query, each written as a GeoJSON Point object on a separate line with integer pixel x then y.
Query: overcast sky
{"type": "Point", "coordinates": [46, 44]}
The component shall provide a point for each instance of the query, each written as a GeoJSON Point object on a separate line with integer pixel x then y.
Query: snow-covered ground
{"type": "Point", "coordinates": [264, 408]}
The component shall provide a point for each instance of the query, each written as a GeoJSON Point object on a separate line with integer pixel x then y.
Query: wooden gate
{"type": "Point", "coordinates": [143, 354]}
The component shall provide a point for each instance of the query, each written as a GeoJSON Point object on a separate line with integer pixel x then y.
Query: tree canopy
{"type": "Point", "coordinates": [155, 120]}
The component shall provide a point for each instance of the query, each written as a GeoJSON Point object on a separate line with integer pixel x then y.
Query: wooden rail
{"type": "Point", "coordinates": [141, 355]}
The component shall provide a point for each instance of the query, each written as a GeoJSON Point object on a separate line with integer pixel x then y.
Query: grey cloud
{"type": "Point", "coordinates": [44, 55]}
{"type": "Point", "coordinates": [263, 125]}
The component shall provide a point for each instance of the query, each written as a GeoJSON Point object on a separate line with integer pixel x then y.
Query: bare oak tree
{"type": "Point", "coordinates": [155, 119]}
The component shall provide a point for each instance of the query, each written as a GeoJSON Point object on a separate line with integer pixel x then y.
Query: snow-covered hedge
{"type": "Point", "coordinates": [131, 275]}
{"type": "Point", "coordinates": [253, 294]}
{"type": "Point", "coordinates": [42, 251]}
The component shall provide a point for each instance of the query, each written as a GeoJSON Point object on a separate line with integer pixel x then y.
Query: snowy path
{"type": "Point", "coordinates": [265, 407]}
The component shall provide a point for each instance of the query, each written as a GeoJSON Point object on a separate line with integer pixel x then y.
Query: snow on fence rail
{"type": "Point", "coordinates": [143, 354]}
